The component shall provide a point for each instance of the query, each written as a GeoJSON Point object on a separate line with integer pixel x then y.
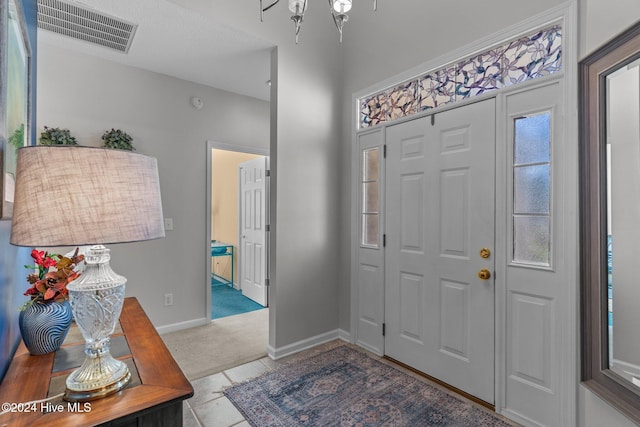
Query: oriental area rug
{"type": "Point", "coordinates": [348, 387]}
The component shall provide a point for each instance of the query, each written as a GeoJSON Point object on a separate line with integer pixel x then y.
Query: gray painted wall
{"type": "Point", "coordinates": [89, 96]}
{"type": "Point", "coordinates": [304, 148]}
{"type": "Point", "coordinates": [601, 20]}
{"type": "Point", "coordinates": [306, 178]}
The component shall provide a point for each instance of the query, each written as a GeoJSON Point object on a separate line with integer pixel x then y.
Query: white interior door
{"type": "Point", "coordinates": [440, 215]}
{"type": "Point", "coordinates": [253, 257]}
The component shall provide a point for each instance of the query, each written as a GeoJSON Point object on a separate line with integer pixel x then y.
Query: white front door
{"type": "Point", "coordinates": [253, 262]}
{"type": "Point", "coordinates": [440, 216]}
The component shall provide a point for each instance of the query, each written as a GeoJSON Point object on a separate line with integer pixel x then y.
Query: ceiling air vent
{"type": "Point", "coordinates": [76, 21]}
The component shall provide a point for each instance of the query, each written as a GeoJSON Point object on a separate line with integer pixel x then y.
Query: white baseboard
{"type": "Point", "coordinates": [182, 325]}
{"type": "Point", "coordinates": [296, 347]}
{"type": "Point", "coordinates": [344, 335]}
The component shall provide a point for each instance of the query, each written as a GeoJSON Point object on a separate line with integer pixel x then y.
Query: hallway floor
{"type": "Point", "coordinates": [227, 301]}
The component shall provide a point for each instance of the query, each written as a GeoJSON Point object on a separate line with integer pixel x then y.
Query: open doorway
{"type": "Point", "coordinates": [238, 200]}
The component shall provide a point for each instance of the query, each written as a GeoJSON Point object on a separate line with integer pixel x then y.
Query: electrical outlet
{"type": "Point", "coordinates": [168, 300]}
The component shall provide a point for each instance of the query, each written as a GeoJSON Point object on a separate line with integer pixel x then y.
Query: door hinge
{"type": "Point", "coordinates": [267, 172]}
{"type": "Point", "coordinates": [384, 329]}
{"type": "Point", "coordinates": [267, 227]}
{"type": "Point", "coordinates": [384, 240]}
{"type": "Point", "coordinates": [266, 282]}
{"type": "Point", "coordinates": [433, 119]}
{"type": "Point", "coordinates": [384, 151]}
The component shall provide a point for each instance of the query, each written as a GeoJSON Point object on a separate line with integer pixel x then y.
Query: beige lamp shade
{"type": "Point", "coordinates": [72, 195]}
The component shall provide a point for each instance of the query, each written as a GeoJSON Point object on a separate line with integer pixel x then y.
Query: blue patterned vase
{"type": "Point", "coordinates": [45, 326]}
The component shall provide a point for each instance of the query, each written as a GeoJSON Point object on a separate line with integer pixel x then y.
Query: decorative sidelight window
{"type": "Point", "coordinates": [370, 204]}
{"type": "Point", "coordinates": [532, 190]}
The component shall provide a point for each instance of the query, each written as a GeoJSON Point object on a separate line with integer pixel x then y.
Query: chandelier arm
{"type": "Point", "coordinates": [333, 15]}
{"type": "Point", "coordinates": [298, 27]}
{"type": "Point", "coordinates": [339, 19]}
{"type": "Point", "coordinates": [264, 9]}
{"type": "Point", "coordinates": [298, 16]}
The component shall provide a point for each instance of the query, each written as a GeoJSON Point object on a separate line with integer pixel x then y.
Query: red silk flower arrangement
{"type": "Point", "coordinates": [53, 273]}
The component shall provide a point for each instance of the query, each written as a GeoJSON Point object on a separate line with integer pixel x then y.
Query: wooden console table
{"type": "Point", "coordinates": [152, 398]}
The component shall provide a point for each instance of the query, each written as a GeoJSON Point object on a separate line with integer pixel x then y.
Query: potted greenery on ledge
{"type": "Point", "coordinates": [118, 139]}
{"type": "Point", "coordinates": [57, 136]}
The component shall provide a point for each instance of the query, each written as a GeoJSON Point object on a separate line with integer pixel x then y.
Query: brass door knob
{"type": "Point", "coordinates": [484, 274]}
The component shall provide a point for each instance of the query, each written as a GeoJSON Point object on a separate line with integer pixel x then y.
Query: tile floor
{"type": "Point", "coordinates": [209, 407]}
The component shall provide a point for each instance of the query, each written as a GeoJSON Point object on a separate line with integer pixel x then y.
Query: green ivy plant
{"type": "Point", "coordinates": [57, 136]}
{"type": "Point", "coordinates": [17, 137]}
{"type": "Point", "coordinates": [118, 139]}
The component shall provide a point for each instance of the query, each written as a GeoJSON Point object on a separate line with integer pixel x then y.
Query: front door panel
{"type": "Point", "coordinates": [440, 215]}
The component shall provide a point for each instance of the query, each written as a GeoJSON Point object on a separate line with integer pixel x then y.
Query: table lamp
{"type": "Point", "coordinates": [73, 196]}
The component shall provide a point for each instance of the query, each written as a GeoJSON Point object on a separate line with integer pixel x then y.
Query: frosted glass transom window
{"type": "Point", "coordinates": [370, 197]}
{"type": "Point", "coordinates": [528, 57]}
{"type": "Point", "coordinates": [532, 190]}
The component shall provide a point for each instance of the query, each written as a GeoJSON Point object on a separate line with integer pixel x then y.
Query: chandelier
{"type": "Point", "coordinates": [338, 9]}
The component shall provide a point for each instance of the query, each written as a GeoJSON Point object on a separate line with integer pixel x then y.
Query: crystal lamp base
{"type": "Point", "coordinates": [90, 381]}
{"type": "Point", "coordinates": [96, 300]}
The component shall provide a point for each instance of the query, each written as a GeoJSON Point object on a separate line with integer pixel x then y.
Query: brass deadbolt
{"type": "Point", "coordinates": [485, 252]}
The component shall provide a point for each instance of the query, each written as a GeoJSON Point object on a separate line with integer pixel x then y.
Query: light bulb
{"type": "Point", "coordinates": [342, 6]}
{"type": "Point", "coordinates": [297, 6]}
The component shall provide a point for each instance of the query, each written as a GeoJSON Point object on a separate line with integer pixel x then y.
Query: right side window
{"type": "Point", "coordinates": [531, 219]}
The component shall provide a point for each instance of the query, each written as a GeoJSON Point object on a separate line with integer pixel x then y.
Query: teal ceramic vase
{"type": "Point", "coordinates": [45, 326]}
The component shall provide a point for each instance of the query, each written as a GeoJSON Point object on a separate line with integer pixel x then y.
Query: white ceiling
{"type": "Point", "coordinates": [178, 42]}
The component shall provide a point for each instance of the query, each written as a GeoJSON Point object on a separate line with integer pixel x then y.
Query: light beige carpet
{"type": "Point", "coordinates": [220, 345]}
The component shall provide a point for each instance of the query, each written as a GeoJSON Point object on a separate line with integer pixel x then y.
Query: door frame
{"type": "Point", "coordinates": [210, 146]}
{"type": "Point", "coordinates": [567, 14]}
{"type": "Point", "coordinates": [501, 219]}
